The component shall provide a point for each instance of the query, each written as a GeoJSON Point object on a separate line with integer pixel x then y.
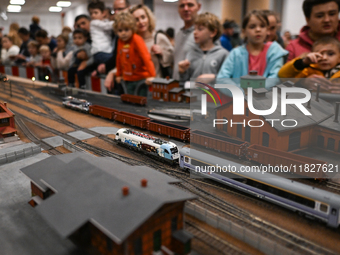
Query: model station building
{"type": "Point", "coordinates": [114, 207]}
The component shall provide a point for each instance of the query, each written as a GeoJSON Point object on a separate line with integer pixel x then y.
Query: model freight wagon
{"type": "Point", "coordinates": [131, 119]}
{"type": "Point", "coordinates": [269, 156]}
{"type": "Point", "coordinates": [169, 129]}
{"type": "Point", "coordinates": [102, 111]}
{"type": "Point", "coordinates": [218, 142]}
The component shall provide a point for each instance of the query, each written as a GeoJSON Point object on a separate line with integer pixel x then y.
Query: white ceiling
{"type": "Point", "coordinates": [41, 6]}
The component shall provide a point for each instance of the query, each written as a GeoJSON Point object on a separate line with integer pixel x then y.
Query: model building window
{"type": "Point", "coordinates": [187, 247]}
{"type": "Point", "coordinates": [320, 141]}
{"type": "Point", "coordinates": [294, 141]}
{"type": "Point", "coordinates": [138, 246]}
{"type": "Point", "coordinates": [330, 144]}
{"type": "Point", "coordinates": [174, 224]}
{"type": "Point", "coordinates": [265, 139]}
{"type": "Point", "coordinates": [4, 120]}
{"type": "Point", "coordinates": [225, 127]}
{"type": "Point", "coordinates": [339, 147]}
{"type": "Point", "coordinates": [108, 244]}
{"type": "Point", "coordinates": [247, 112]}
{"type": "Point", "coordinates": [157, 240]}
{"type": "Point", "coordinates": [248, 133]}
{"type": "Point", "coordinates": [239, 131]}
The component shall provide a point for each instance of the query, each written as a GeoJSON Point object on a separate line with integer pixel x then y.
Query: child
{"type": "Point", "coordinates": [81, 58]}
{"type": "Point", "coordinates": [323, 60]}
{"type": "Point", "coordinates": [133, 62]}
{"type": "Point", "coordinates": [101, 33]}
{"type": "Point", "coordinates": [45, 72]}
{"type": "Point", "coordinates": [61, 57]}
{"type": "Point", "coordinates": [33, 49]}
{"type": "Point", "coordinates": [264, 57]}
{"type": "Point", "coordinates": [206, 58]}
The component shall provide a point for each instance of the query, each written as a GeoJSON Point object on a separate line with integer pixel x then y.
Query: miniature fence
{"type": "Point", "coordinates": [20, 154]}
{"type": "Point", "coordinates": [253, 239]}
{"type": "Point", "coordinates": [92, 83]}
{"type": "Point", "coordinates": [71, 147]}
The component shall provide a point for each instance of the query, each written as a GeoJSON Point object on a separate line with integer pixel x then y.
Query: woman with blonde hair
{"type": "Point", "coordinates": [13, 34]}
{"type": "Point", "coordinates": [158, 44]}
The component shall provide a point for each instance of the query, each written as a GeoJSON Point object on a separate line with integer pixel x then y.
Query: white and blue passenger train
{"type": "Point", "coordinates": [313, 202]}
{"type": "Point", "coordinates": [152, 146]}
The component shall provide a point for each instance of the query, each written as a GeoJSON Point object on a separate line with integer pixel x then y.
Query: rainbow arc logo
{"type": "Point", "coordinates": [209, 93]}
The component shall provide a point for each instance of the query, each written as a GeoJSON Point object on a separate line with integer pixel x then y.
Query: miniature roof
{"type": "Point", "coordinates": [188, 94]}
{"type": "Point", "coordinates": [7, 130]}
{"type": "Point", "coordinates": [163, 81]}
{"type": "Point", "coordinates": [176, 90]}
{"type": "Point", "coordinates": [5, 113]}
{"type": "Point", "coordinates": [320, 111]}
{"type": "Point", "coordinates": [90, 190]}
{"type": "Point", "coordinates": [330, 124]}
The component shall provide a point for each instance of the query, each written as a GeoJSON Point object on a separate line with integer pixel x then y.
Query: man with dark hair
{"type": "Point", "coordinates": [25, 36]}
{"type": "Point", "coordinates": [322, 20]}
{"type": "Point", "coordinates": [83, 21]}
{"type": "Point", "coordinates": [228, 31]}
{"type": "Point", "coordinates": [42, 38]}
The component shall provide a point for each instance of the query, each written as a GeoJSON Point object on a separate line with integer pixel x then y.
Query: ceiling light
{"type": "Point", "coordinates": [170, 1]}
{"type": "Point", "coordinates": [55, 9]}
{"type": "Point", "coordinates": [64, 4]}
{"type": "Point", "coordinates": [13, 8]}
{"type": "Point", "coordinates": [20, 2]}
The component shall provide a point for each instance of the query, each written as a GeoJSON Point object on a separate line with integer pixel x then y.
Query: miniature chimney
{"type": "Point", "coordinates": [125, 191]}
{"type": "Point", "coordinates": [144, 183]}
{"type": "Point", "coordinates": [310, 100]}
{"type": "Point", "coordinates": [253, 72]}
{"type": "Point", "coordinates": [317, 92]}
{"type": "Point", "coordinates": [167, 77]}
{"type": "Point", "coordinates": [5, 104]}
{"type": "Point", "coordinates": [336, 117]}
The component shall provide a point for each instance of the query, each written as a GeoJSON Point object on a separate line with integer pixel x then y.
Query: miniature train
{"type": "Point", "coordinates": [231, 146]}
{"type": "Point", "coordinates": [305, 199]}
{"type": "Point", "coordinates": [148, 144]}
{"type": "Point", "coordinates": [76, 104]}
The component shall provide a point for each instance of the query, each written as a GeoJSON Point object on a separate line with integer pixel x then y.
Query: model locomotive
{"type": "Point", "coordinates": [155, 147]}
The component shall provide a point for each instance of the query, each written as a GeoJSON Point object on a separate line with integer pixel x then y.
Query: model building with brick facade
{"type": "Point", "coordinates": [161, 88]}
{"type": "Point", "coordinates": [321, 129]}
{"type": "Point", "coordinates": [7, 124]}
{"type": "Point", "coordinates": [114, 207]}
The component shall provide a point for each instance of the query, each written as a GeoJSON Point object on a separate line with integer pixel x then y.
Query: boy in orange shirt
{"type": "Point", "coordinates": [133, 62]}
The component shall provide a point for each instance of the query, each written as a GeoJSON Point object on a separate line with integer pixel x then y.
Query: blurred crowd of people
{"type": "Point", "coordinates": [123, 45]}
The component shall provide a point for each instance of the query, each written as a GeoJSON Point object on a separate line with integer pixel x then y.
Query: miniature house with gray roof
{"type": "Point", "coordinates": [161, 88]}
{"type": "Point", "coordinates": [318, 129]}
{"type": "Point", "coordinates": [114, 207]}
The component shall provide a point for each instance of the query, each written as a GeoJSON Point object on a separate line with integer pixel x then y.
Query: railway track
{"type": "Point", "coordinates": [297, 244]}
{"type": "Point", "coordinates": [288, 239]}
{"type": "Point", "coordinates": [333, 185]}
{"type": "Point", "coordinates": [211, 240]}
{"type": "Point", "coordinates": [31, 136]}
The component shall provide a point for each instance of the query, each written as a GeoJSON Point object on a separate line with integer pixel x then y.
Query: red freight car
{"type": "Point", "coordinates": [219, 143]}
{"type": "Point", "coordinates": [133, 99]}
{"type": "Point", "coordinates": [102, 111]}
{"type": "Point", "coordinates": [131, 119]}
{"type": "Point", "coordinates": [169, 129]}
{"type": "Point", "coordinates": [269, 156]}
